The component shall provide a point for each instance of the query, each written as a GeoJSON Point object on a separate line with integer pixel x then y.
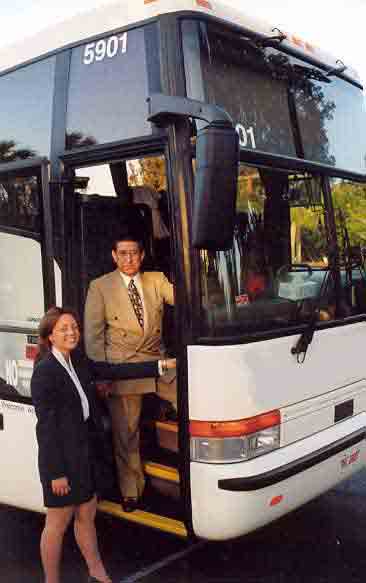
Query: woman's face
{"type": "Point", "coordinates": [65, 335]}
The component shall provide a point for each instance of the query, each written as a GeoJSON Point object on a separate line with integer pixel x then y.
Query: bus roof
{"type": "Point", "coordinates": [115, 15]}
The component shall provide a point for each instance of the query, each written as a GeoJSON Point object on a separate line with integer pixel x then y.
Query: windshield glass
{"type": "Point", "coordinates": [280, 104]}
{"type": "Point", "coordinates": [349, 200]}
{"type": "Point", "coordinates": [273, 274]}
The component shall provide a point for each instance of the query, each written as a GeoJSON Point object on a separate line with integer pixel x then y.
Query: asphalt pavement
{"type": "Point", "coordinates": [322, 542]}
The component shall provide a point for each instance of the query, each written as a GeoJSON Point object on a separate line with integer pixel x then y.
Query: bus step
{"type": "Point", "coordinates": [163, 479]}
{"type": "Point", "coordinates": [161, 472]}
{"type": "Point", "coordinates": [167, 434]}
{"type": "Point", "coordinates": [149, 519]}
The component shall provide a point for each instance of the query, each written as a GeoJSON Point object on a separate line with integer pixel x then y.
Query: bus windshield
{"type": "Point", "coordinates": [281, 264]}
{"type": "Point", "coordinates": [280, 104]}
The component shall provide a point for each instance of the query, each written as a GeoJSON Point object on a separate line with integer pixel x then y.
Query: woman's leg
{"type": "Point", "coordinates": [86, 537]}
{"type": "Point", "coordinates": [57, 521]}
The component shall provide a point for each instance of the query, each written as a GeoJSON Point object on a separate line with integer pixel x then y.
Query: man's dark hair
{"type": "Point", "coordinates": [127, 237]}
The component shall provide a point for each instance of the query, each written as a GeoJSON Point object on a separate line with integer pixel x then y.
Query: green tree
{"type": "Point", "coordinates": [9, 152]}
{"type": "Point", "coordinates": [149, 172]}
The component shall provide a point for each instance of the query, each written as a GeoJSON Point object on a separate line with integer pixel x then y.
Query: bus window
{"type": "Point", "coordinates": [130, 194]}
{"type": "Point", "coordinates": [20, 204]}
{"type": "Point", "coordinates": [254, 84]}
{"type": "Point", "coordinates": [112, 74]}
{"type": "Point", "coordinates": [26, 111]}
{"type": "Point", "coordinates": [126, 196]}
{"type": "Point", "coordinates": [309, 278]}
{"type": "Point", "coordinates": [272, 276]}
{"type": "Point", "coordinates": [322, 104]}
{"type": "Point", "coordinates": [20, 262]}
{"type": "Point", "coordinates": [349, 200]}
{"type": "Point", "coordinates": [20, 258]}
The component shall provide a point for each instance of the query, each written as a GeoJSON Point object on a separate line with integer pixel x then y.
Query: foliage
{"type": "Point", "coordinates": [149, 172]}
{"type": "Point", "coordinates": [351, 199]}
{"type": "Point", "coordinates": [10, 153]}
{"type": "Point", "coordinates": [78, 140]}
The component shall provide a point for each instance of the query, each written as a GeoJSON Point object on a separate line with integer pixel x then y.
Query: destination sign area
{"type": "Point", "coordinates": [279, 104]}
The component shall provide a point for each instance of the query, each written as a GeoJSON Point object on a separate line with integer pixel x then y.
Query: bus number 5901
{"type": "Point", "coordinates": [105, 48]}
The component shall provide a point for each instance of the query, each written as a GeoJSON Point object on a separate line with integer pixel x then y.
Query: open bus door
{"type": "Point", "coordinates": [27, 289]}
{"type": "Point", "coordinates": [102, 202]}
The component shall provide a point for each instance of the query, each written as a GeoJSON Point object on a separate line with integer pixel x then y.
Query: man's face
{"type": "Point", "coordinates": [128, 257]}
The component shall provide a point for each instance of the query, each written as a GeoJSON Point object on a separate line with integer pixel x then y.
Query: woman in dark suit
{"type": "Point", "coordinates": [66, 410]}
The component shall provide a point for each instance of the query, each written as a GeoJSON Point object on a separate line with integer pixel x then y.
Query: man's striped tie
{"type": "Point", "coordinates": [136, 302]}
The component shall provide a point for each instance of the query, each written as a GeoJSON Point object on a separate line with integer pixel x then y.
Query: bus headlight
{"type": "Point", "coordinates": [216, 445]}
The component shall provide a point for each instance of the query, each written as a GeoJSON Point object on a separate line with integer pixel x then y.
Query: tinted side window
{"type": "Point", "coordinates": [21, 285]}
{"type": "Point", "coordinates": [108, 90]}
{"type": "Point", "coordinates": [26, 111]}
{"type": "Point", "coordinates": [349, 199]}
{"type": "Point", "coordinates": [20, 204]}
{"type": "Point", "coordinates": [250, 84]}
{"type": "Point", "coordinates": [331, 115]}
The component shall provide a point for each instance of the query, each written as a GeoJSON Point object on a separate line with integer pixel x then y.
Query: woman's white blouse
{"type": "Point", "coordinates": [74, 377]}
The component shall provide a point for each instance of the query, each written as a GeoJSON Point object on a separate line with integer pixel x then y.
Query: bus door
{"type": "Point", "coordinates": [27, 288]}
{"type": "Point", "coordinates": [113, 198]}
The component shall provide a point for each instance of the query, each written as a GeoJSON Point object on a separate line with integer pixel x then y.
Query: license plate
{"type": "Point", "coordinates": [349, 459]}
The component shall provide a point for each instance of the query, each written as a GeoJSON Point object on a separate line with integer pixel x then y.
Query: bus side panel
{"type": "Point", "coordinates": [15, 369]}
{"type": "Point", "coordinates": [19, 479]}
{"type": "Point", "coordinates": [240, 381]}
{"type": "Point", "coordinates": [219, 514]}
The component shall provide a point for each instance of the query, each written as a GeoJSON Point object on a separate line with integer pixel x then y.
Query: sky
{"type": "Point", "coordinates": [337, 26]}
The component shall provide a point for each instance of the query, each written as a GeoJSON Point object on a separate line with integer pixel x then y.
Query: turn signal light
{"type": "Point", "coordinates": [235, 441]}
{"type": "Point", "coordinates": [234, 428]}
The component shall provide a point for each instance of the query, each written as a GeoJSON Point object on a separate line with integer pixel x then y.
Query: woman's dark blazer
{"type": "Point", "coordinates": [63, 436]}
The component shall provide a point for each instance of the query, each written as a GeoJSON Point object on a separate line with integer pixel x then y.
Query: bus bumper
{"type": "Point", "coordinates": [230, 500]}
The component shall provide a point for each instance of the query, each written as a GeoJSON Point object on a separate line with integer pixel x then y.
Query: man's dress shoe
{"type": "Point", "coordinates": [130, 504]}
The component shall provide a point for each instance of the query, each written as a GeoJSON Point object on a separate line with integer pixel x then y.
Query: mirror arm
{"type": "Point", "coordinates": [164, 108]}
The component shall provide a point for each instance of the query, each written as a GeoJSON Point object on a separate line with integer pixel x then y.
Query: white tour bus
{"type": "Point", "coordinates": [237, 152]}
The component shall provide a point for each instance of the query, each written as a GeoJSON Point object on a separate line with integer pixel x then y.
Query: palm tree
{"type": "Point", "coordinates": [9, 152]}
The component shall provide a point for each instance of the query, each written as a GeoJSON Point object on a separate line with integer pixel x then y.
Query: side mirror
{"type": "Point", "coordinates": [216, 183]}
{"type": "Point", "coordinates": [217, 160]}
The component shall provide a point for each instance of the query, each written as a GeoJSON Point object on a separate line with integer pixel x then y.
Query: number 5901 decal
{"type": "Point", "coordinates": [105, 48]}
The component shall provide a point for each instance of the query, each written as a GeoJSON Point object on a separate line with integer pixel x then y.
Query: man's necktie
{"type": "Point", "coordinates": [136, 302]}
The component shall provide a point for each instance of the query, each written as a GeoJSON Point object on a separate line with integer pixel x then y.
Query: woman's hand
{"type": "Point", "coordinates": [171, 363]}
{"type": "Point", "coordinates": [60, 487]}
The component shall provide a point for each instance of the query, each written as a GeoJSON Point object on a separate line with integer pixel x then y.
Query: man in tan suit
{"type": "Point", "coordinates": [123, 322]}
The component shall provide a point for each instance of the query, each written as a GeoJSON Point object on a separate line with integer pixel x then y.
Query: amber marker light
{"type": "Point", "coordinates": [234, 428]}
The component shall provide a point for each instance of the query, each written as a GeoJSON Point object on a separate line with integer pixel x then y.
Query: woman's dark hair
{"type": "Point", "coordinates": [47, 325]}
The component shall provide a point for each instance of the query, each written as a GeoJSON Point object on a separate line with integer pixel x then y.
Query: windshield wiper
{"type": "Point", "coordinates": [310, 73]}
{"type": "Point", "coordinates": [301, 347]}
